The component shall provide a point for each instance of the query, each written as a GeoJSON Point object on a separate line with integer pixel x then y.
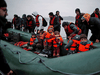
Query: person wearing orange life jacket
{"type": "Point", "coordinates": [33, 41]}
{"type": "Point", "coordinates": [96, 13]}
{"type": "Point", "coordinates": [71, 47]}
{"type": "Point", "coordinates": [48, 40]}
{"type": "Point", "coordinates": [84, 45]}
{"type": "Point", "coordinates": [58, 15]}
{"type": "Point", "coordinates": [79, 23]}
{"type": "Point", "coordinates": [54, 21]}
{"type": "Point", "coordinates": [38, 20]}
{"type": "Point", "coordinates": [93, 24]}
{"type": "Point", "coordinates": [57, 43]}
{"type": "Point", "coordinates": [30, 24]}
{"type": "Point", "coordinates": [71, 28]}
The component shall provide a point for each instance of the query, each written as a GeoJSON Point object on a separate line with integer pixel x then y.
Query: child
{"type": "Point", "coordinates": [57, 43]}
{"type": "Point", "coordinates": [85, 44]}
{"type": "Point", "coordinates": [39, 45]}
{"type": "Point", "coordinates": [47, 40]}
{"type": "Point", "coordinates": [71, 47]}
{"type": "Point", "coordinates": [33, 41]}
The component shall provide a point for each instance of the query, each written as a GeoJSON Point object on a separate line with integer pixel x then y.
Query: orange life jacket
{"type": "Point", "coordinates": [96, 15]}
{"type": "Point", "coordinates": [83, 48]}
{"type": "Point", "coordinates": [32, 40]}
{"type": "Point", "coordinates": [55, 41]}
{"type": "Point", "coordinates": [48, 39]}
{"type": "Point", "coordinates": [52, 21]}
{"type": "Point", "coordinates": [37, 21]}
{"type": "Point", "coordinates": [74, 45]}
{"type": "Point", "coordinates": [6, 34]}
{"type": "Point", "coordinates": [29, 24]}
{"type": "Point", "coordinates": [21, 43]}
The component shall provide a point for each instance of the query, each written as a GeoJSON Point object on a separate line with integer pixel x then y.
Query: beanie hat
{"type": "Point", "coordinates": [51, 14]}
{"type": "Point", "coordinates": [3, 3]}
{"type": "Point", "coordinates": [65, 23]}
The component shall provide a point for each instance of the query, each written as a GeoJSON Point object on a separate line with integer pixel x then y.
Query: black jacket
{"type": "Point", "coordinates": [56, 22]}
{"type": "Point", "coordinates": [94, 26]}
{"type": "Point", "coordinates": [4, 67]}
{"type": "Point", "coordinates": [93, 15]}
{"type": "Point", "coordinates": [82, 25]}
{"type": "Point", "coordinates": [17, 22]}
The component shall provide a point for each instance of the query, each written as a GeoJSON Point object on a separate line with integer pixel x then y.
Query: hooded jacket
{"type": "Point", "coordinates": [93, 25]}
{"type": "Point", "coordinates": [94, 14]}
{"type": "Point", "coordinates": [23, 20]}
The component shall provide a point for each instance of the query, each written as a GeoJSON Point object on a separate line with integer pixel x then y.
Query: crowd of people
{"type": "Point", "coordinates": [50, 42]}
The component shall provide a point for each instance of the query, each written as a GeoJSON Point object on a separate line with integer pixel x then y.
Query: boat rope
{"type": "Point", "coordinates": [19, 53]}
{"type": "Point", "coordinates": [42, 61]}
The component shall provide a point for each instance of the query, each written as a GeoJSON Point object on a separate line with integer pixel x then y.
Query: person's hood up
{"type": "Point", "coordinates": [35, 13]}
{"type": "Point", "coordinates": [86, 17]}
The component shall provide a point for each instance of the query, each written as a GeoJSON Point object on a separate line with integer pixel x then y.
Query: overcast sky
{"type": "Point", "coordinates": [43, 7]}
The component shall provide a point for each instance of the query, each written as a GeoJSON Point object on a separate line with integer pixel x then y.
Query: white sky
{"type": "Point", "coordinates": [43, 7]}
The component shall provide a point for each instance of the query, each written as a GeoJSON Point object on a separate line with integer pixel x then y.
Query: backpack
{"type": "Point", "coordinates": [44, 22]}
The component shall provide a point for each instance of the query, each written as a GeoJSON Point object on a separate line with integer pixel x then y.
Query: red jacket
{"type": "Point", "coordinates": [70, 31]}
{"type": "Point", "coordinates": [52, 21]}
{"type": "Point", "coordinates": [37, 21]}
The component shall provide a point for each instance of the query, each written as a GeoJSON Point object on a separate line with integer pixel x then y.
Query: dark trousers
{"type": "Point", "coordinates": [57, 29]}
{"type": "Point", "coordinates": [93, 38]}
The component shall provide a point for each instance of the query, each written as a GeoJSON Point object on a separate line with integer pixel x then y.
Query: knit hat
{"type": "Point", "coordinates": [65, 23]}
{"type": "Point", "coordinates": [3, 3]}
